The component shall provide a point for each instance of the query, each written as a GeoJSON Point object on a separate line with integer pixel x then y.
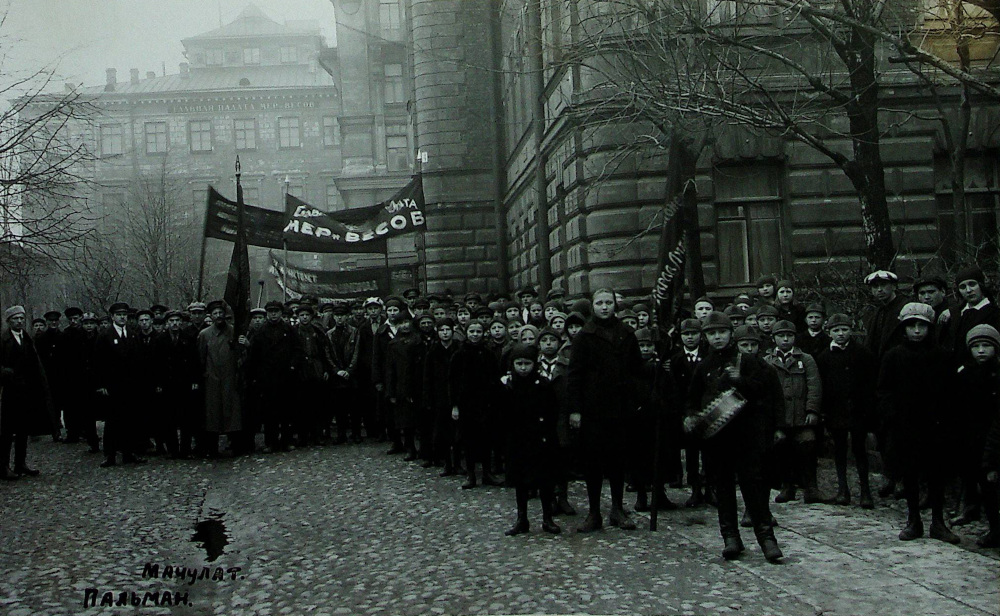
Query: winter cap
{"type": "Point", "coordinates": [783, 284]}
{"type": "Point", "coordinates": [500, 321]}
{"type": "Point", "coordinates": [742, 300]}
{"type": "Point", "coordinates": [928, 280]}
{"type": "Point", "coordinates": [373, 301]}
{"type": "Point", "coordinates": [553, 303]}
{"type": "Point", "coordinates": [305, 308]}
{"type": "Point", "coordinates": [644, 334]}
{"type": "Point", "coordinates": [527, 290]}
{"type": "Point", "coordinates": [716, 320]}
{"type": "Point", "coordinates": [424, 317]}
{"type": "Point", "coordinates": [548, 331]}
{"type": "Point", "coordinates": [690, 325]}
{"type": "Point", "coordinates": [52, 315]}
{"type": "Point", "coordinates": [483, 311]}
{"type": "Point", "coordinates": [450, 322]}
{"type": "Point", "coordinates": [90, 317]}
{"type": "Point", "coordinates": [983, 332]}
{"type": "Point", "coordinates": [640, 307]}
{"type": "Point", "coordinates": [767, 310]}
{"type": "Point", "coordinates": [473, 297]}
{"type": "Point", "coordinates": [530, 328]}
{"type": "Point", "coordinates": [171, 314]}
{"type": "Point", "coordinates": [746, 333]}
{"type": "Point", "coordinates": [783, 327]}
{"type": "Point", "coordinates": [736, 310]}
{"type": "Point", "coordinates": [705, 299]}
{"type": "Point", "coordinates": [212, 306]}
{"type": "Point", "coordinates": [583, 306]}
{"type": "Point", "coordinates": [763, 280]}
{"type": "Point", "coordinates": [555, 293]}
{"type": "Point", "coordinates": [148, 313]}
{"type": "Point", "coordinates": [557, 314]}
{"type": "Point", "coordinates": [839, 320]}
{"type": "Point", "coordinates": [253, 312]}
{"type": "Point", "coordinates": [38, 321]}
{"type": "Point", "coordinates": [915, 311]}
{"type": "Point", "coordinates": [411, 293]}
{"type": "Point", "coordinates": [881, 276]}
{"type": "Point", "coordinates": [159, 308]}
{"type": "Point", "coordinates": [575, 317]}
{"type": "Point", "coordinates": [817, 307]}
{"type": "Point", "coordinates": [13, 311]}
{"type": "Point", "coordinates": [394, 301]}
{"type": "Point", "coordinates": [196, 306]}
{"type": "Point", "coordinates": [341, 308]}
{"type": "Point", "coordinates": [627, 314]}
{"type": "Point", "coordinates": [524, 351]}
{"type": "Point", "coordinates": [118, 307]}
{"type": "Point", "coordinates": [970, 273]}
{"type": "Point", "coordinates": [274, 306]}
{"type": "Point", "coordinates": [73, 311]}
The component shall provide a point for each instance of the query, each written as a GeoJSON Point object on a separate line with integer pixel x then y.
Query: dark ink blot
{"type": "Point", "coordinates": [211, 533]}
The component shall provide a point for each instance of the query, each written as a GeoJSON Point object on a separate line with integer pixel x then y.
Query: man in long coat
{"type": "Point", "coordinates": [24, 402]}
{"type": "Point", "coordinates": [272, 360]}
{"type": "Point", "coordinates": [77, 389]}
{"type": "Point", "coordinates": [51, 351]}
{"type": "Point", "coordinates": [115, 379]}
{"type": "Point", "coordinates": [221, 354]}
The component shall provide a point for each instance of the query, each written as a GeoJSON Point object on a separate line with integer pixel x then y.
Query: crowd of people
{"type": "Point", "coordinates": [543, 392]}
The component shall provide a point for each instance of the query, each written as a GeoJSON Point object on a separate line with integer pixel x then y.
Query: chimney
{"type": "Point", "coordinates": [112, 79]}
{"type": "Point", "coordinates": [185, 69]}
{"type": "Point", "coordinates": [133, 75]}
{"type": "Point", "coordinates": [150, 74]}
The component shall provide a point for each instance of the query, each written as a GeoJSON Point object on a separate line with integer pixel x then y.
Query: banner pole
{"type": "Point", "coordinates": [204, 241]}
{"type": "Point", "coordinates": [284, 247]}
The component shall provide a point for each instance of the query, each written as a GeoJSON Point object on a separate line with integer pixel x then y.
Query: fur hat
{"type": "Point", "coordinates": [524, 351]}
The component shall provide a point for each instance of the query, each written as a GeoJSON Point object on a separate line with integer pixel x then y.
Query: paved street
{"type": "Point", "coordinates": [348, 530]}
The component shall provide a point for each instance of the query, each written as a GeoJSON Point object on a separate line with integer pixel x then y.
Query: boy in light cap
{"type": "Point", "coordinates": [978, 386]}
{"type": "Point", "coordinates": [911, 396]}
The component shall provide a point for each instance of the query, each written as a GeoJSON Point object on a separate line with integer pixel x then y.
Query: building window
{"type": "Point", "coordinates": [296, 189]}
{"type": "Point", "coordinates": [232, 57]}
{"type": "Point", "coordinates": [396, 153]}
{"type": "Point", "coordinates": [112, 141]}
{"type": "Point", "coordinates": [214, 57]}
{"type": "Point", "coordinates": [331, 132]}
{"type": "Point", "coordinates": [394, 83]}
{"type": "Point", "coordinates": [333, 200]}
{"type": "Point", "coordinates": [288, 133]}
{"type": "Point", "coordinates": [982, 200]}
{"type": "Point", "coordinates": [251, 195]}
{"type": "Point", "coordinates": [289, 55]}
{"type": "Point", "coordinates": [200, 132]}
{"type": "Point", "coordinates": [156, 137]}
{"type": "Point", "coordinates": [748, 221]}
{"type": "Point", "coordinates": [740, 12]}
{"type": "Point", "coordinates": [245, 134]}
{"type": "Point", "coordinates": [388, 15]}
{"type": "Point", "coordinates": [251, 55]}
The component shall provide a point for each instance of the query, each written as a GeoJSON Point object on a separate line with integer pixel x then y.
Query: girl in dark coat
{"type": "Point", "coordinates": [474, 381]}
{"type": "Point", "coordinates": [911, 381]}
{"type": "Point", "coordinates": [601, 391]}
{"type": "Point", "coordinates": [530, 412]}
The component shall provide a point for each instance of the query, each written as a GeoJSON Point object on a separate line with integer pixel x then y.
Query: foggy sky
{"type": "Point", "coordinates": [79, 39]}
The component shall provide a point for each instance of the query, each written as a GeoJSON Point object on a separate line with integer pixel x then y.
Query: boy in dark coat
{"type": "Point", "coordinates": [474, 381]}
{"type": "Point", "coordinates": [435, 396]}
{"type": "Point", "coordinates": [553, 365]}
{"type": "Point", "coordinates": [403, 382]}
{"type": "Point", "coordinates": [814, 338]}
{"type": "Point", "coordinates": [735, 449]}
{"type": "Point", "coordinates": [651, 417]}
{"type": "Point", "coordinates": [849, 372]}
{"type": "Point", "coordinates": [978, 387]}
{"type": "Point", "coordinates": [912, 379]}
{"type": "Point", "coordinates": [530, 409]}
{"type": "Point", "coordinates": [681, 366]}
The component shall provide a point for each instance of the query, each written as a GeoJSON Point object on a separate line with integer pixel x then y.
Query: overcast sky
{"type": "Point", "coordinates": [82, 38]}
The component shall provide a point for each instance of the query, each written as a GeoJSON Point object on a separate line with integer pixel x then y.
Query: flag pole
{"type": "Point", "coordinates": [284, 246]}
{"type": "Point", "coordinates": [204, 241]}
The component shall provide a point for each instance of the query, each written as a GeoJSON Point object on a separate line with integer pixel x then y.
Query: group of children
{"type": "Point", "coordinates": [923, 379]}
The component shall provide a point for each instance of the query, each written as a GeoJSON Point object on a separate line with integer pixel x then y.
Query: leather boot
{"type": "Point", "coordinates": [843, 496]}
{"type": "Point", "coordinates": [745, 520]}
{"type": "Point", "coordinates": [25, 471]}
{"type": "Point", "coordinates": [941, 532]}
{"type": "Point", "coordinates": [734, 547]}
{"type": "Point", "coordinates": [641, 501]}
{"type": "Point", "coordinates": [519, 527]}
{"type": "Point", "coordinates": [970, 513]}
{"type": "Point", "coordinates": [772, 553]}
{"type": "Point", "coordinates": [6, 474]}
{"type": "Point", "coordinates": [914, 529]}
{"type": "Point", "coordinates": [591, 523]}
{"type": "Point", "coordinates": [470, 483]}
{"type": "Point", "coordinates": [619, 518]}
{"type": "Point", "coordinates": [812, 495]}
{"type": "Point", "coordinates": [865, 500]}
{"type": "Point", "coordinates": [549, 526]}
{"type": "Point", "coordinates": [563, 506]}
{"type": "Point", "coordinates": [787, 494]}
{"type": "Point", "coordinates": [695, 499]}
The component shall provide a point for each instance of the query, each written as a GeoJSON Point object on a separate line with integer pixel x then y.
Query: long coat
{"type": "Point", "coordinates": [24, 402]}
{"type": "Point", "coordinates": [220, 361]}
{"type": "Point", "coordinates": [115, 366]}
{"type": "Point", "coordinates": [404, 376]}
{"type": "Point", "coordinates": [911, 404]}
{"type": "Point", "coordinates": [181, 371]}
{"type": "Point", "coordinates": [530, 410]}
{"type": "Point", "coordinates": [604, 361]}
{"type": "Point", "coordinates": [881, 331]}
{"type": "Point", "coordinates": [473, 386]}
{"type": "Point", "coordinates": [800, 383]}
{"type": "Point", "coordinates": [849, 379]}
{"type": "Point", "coordinates": [345, 350]}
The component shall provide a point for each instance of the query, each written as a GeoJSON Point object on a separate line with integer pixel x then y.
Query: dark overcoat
{"type": "Point", "coordinates": [529, 415]}
{"type": "Point", "coordinates": [404, 377]}
{"type": "Point", "coordinates": [473, 386]}
{"type": "Point", "coordinates": [24, 402]}
{"type": "Point", "coordinates": [849, 379]}
{"type": "Point", "coordinates": [604, 361]}
{"type": "Point", "coordinates": [115, 365]}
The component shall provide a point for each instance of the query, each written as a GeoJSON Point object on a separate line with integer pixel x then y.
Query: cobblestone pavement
{"type": "Point", "coordinates": [349, 530]}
